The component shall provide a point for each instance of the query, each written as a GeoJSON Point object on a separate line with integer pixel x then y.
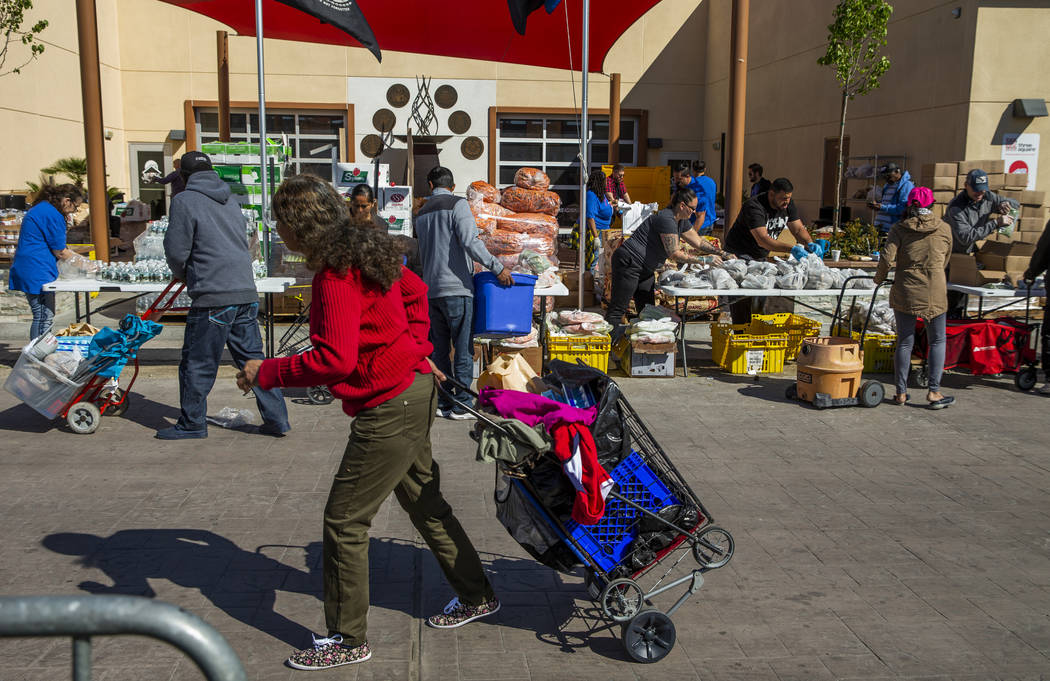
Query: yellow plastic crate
{"type": "Point", "coordinates": [719, 332]}
{"type": "Point", "coordinates": [878, 349]}
{"type": "Point", "coordinates": [592, 350]}
{"type": "Point", "coordinates": [746, 354]}
{"type": "Point", "coordinates": [797, 327]}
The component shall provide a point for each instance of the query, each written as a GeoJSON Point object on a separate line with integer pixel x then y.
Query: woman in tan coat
{"type": "Point", "coordinates": [918, 247]}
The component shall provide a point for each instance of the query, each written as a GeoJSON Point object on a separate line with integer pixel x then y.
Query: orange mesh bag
{"type": "Point", "coordinates": [543, 245]}
{"type": "Point", "coordinates": [530, 201]}
{"type": "Point", "coordinates": [502, 242]}
{"type": "Point", "coordinates": [532, 178]}
{"type": "Point", "coordinates": [487, 214]}
{"type": "Point", "coordinates": [483, 190]}
{"type": "Point", "coordinates": [530, 223]}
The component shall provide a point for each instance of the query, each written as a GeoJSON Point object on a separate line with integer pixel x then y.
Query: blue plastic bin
{"type": "Point", "coordinates": [503, 310]}
{"type": "Point", "coordinates": [607, 542]}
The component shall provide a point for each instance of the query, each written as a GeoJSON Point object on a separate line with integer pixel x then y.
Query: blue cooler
{"type": "Point", "coordinates": [503, 310]}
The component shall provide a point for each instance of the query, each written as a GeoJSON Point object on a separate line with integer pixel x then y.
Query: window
{"type": "Point", "coordinates": [312, 134]}
{"type": "Point", "coordinates": [552, 143]}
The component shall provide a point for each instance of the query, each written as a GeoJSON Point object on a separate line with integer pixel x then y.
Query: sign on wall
{"type": "Point", "coordinates": [1021, 154]}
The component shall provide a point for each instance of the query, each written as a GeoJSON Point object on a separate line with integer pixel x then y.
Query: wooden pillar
{"type": "Point", "coordinates": [94, 147]}
{"type": "Point", "coordinates": [222, 51]}
{"type": "Point", "coordinates": [734, 184]}
{"type": "Point", "coordinates": [614, 118]}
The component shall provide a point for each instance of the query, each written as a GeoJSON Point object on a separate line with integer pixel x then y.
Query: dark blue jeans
{"type": "Point", "coordinates": [208, 330]}
{"type": "Point", "coordinates": [43, 307]}
{"type": "Point", "coordinates": [451, 327]}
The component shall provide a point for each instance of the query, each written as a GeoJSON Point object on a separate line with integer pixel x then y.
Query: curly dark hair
{"type": "Point", "coordinates": [596, 183]}
{"type": "Point", "coordinates": [54, 193]}
{"type": "Point", "coordinates": [316, 214]}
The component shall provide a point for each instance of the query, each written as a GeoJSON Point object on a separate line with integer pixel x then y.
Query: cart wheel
{"type": "Point", "coordinates": [621, 599]}
{"type": "Point", "coordinates": [792, 392]}
{"type": "Point", "coordinates": [713, 548]}
{"type": "Point", "coordinates": [649, 636]}
{"type": "Point", "coordinates": [83, 418]}
{"type": "Point", "coordinates": [1026, 379]}
{"type": "Point", "coordinates": [118, 409]}
{"type": "Point", "coordinates": [922, 377]}
{"type": "Point", "coordinates": [871, 394]}
{"type": "Point", "coordinates": [319, 394]}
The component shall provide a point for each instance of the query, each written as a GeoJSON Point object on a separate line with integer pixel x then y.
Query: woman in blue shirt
{"type": "Point", "coordinates": [41, 243]}
{"type": "Point", "coordinates": [599, 210]}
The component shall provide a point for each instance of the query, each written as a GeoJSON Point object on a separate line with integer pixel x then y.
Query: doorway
{"type": "Point", "coordinates": [147, 156]}
{"type": "Point", "coordinates": [831, 160]}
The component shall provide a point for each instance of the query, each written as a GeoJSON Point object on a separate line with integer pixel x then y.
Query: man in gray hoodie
{"type": "Point", "coordinates": [448, 248]}
{"type": "Point", "coordinates": [206, 246]}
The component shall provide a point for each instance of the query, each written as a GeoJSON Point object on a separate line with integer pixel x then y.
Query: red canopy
{"type": "Point", "coordinates": [470, 29]}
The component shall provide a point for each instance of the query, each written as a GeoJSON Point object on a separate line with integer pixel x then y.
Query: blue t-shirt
{"type": "Point", "coordinates": [706, 190]}
{"type": "Point", "coordinates": [43, 231]}
{"type": "Point", "coordinates": [600, 210]}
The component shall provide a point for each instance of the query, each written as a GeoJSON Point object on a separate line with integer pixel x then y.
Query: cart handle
{"type": "Point", "coordinates": [871, 304]}
{"type": "Point", "coordinates": [162, 305]}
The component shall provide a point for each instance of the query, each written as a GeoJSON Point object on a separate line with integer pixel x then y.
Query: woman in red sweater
{"type": "Point", "coordinates": [368, 328]}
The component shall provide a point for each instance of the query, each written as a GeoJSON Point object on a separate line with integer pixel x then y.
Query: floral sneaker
{"type": "Point", "coordinates": [328, 653]}
{"type": "Point", "coordinates": [457, 614]}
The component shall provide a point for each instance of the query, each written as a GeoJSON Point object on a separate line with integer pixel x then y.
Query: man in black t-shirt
{"type": "Point", "coordinates": [756, 230]}
{"type": "Point", "coordinates": [654, 242]}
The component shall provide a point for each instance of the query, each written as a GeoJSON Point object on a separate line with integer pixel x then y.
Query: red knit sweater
{"type": "Point", "coordinates": [368, 345]}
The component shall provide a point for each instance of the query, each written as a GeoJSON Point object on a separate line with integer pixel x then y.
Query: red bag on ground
{"type": "Point", "coordinates": [532, 178]}
{"type": "Point", "coordinates": [530, 201]}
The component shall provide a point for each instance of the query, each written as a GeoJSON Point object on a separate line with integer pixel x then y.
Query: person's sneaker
{"type": "Point", "coordinates": [327, 653]}
{"type": "Point", "coordinates": [273, 429]}
{"type": "Point", "coordinates": [457, 614]}
{"type": "Point", "coordinates": [176, 433]}
{"type": "Point", "coordinates": [459, 413]}
{"type": "Point", "coordinates": [1045, 390]}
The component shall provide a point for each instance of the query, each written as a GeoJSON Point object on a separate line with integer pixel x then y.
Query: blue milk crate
{"type": "Point", "coordinates": [606, 543]}
{"type": "Point", "coordinates": [68, 343]}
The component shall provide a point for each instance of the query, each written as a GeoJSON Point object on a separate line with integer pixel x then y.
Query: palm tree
{"type": "Point", "coordinates": [74, 168]}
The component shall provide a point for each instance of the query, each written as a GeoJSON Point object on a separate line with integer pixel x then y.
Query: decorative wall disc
{"type": "Point", "coordinates": [472, 148]}
{"type": "Point", "coordinates": [384, 120]}
{"type": "Point", "coordinates": [446, 96]}
{"type": "Point", "coordinates": [370, 145]}
{"type": "Point", "coordinates": [398, 95]}
{"type": "Point", "coordinates": [459, 122]}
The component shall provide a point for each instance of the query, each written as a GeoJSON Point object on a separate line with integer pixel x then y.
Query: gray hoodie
{"type": "Point", "coordinates": [207, 244]}
{"type": "Point", "coordinates": [972, 221]}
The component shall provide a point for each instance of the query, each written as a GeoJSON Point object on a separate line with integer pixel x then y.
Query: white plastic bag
{"type": "Point", "coordinates": [792, 281]}
{"type": "Point", "coordinates": [758, 281]}
{"type": "Point", "coordinates": [736, 269]}
{"type": "Point", "coordinates": [721, 280]}
{"type": "Point", "coordinates": [228, 417]}
{"type": "Point", "coordinates": [761, 267]}
{"type": "Point", "coordinates": [819, 279]}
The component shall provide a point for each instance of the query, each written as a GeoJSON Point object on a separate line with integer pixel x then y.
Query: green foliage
{"type": "Point", "coordinates": [855, 238]}
{"type": "Point", "coordinates": [72, 167]}
{"type": "Point", "coordinates": [854, 42]}
{"type": "Point", "coordinates": [12, 16]}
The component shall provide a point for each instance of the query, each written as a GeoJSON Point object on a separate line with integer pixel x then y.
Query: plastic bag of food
{"type": "Point", "coordinates": [652, 337]}
{"type": "Point", "coordinates": [77, 267]}
{"type": "Point", "coordinates": [792, 281]}
{"type": "Point", "coordinates": [532, 178]}
{"type": "Point", "coordinates": [529, 340]}
{"type": "Point", "coordinates": [783, 266]}
{"type": "Point", "coordinates": [484, 191]}
{"type": "Point", "coordinates": [542, 244]}
{"type": "Point", "coordinates": [761, 267]}
{"type": "Point", "coordinates": [653, 325]}
{"type": "Point", "coordinates": [837, 278]}
{"type": "Point", "coordinates": [737, 269]}
{"type": "Point", "coordinates": [671, 278]}
{"type": "Point", "coordinates": [522, 200]}
{"type": "Point", "coordinates": [578, 317]}
{"type": "Point", "coordinates": [696, 281]}
{"type": "Point", "coordinates": [819, 280]}
{"type": "Point", "coordinates": [758, 281]}
{"type": "Point", "coordinates": [502, 242]}
{"type": "Point", "coordinates": [721, 279]}
{"type": "Point", "coordinates": [537, 263]}
{"type": "Point", "coordinates": [530, 223]}
{"type": "Point", "coordinates": [486, 215]}
{"type": "Point", "coordinates": [656, 312]}
{"type": "Point", "coordinates": [548, 279]}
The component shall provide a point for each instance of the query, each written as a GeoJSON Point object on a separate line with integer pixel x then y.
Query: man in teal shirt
{"type": "Point", "coordinates": [706, 190]}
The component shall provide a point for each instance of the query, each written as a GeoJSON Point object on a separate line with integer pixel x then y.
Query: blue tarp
{"type": "Point", "coordinates": [111, 349]}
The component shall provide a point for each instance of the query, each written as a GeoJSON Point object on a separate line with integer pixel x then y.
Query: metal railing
{"type": "Point", "coordinates": [82, 617]}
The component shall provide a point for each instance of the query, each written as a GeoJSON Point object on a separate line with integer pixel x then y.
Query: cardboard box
{"type": "Point", "coordinates": [1015, 180]}
{"type": "Point", "coordinates": [991, 167]}
{"type": "Point", "coordinates": [960, 183]}
{"type": "Point", "coordinates": [943, 197]}
{"type": "Point", "coordinates": [1010, 194]}
{"type": "Point", "coordinates": [939, 182]}
{"type": "Point", "coordinates": [397, 222]}
{"type": "Point", "coordinates": [534, 356]}
{"type": "Point", "coordinates": [1034, 213]}
{"type": "Point", "coordinates": [938, 209]}
{"type": "Point", "coordinates": [995, 181]}
{"type": "Point", "coordinates": [1029, 237]}
{"type": "Point", "coordinates": [1030, 225]}
{"type": "Point", "coordinates": [396, 198]}
{"type": "Point", "coordinates": [1033, 198]}
{"type": "Point", "coordinates": [252, 175]}
{"type": "Point", "coordinates": [656, 360]}
{"type": "Point", "coordinates": [962, 269]}
{"type": "Point", "coordinates": [348, 175]}
{"type": "Point", "coordinates": [940, 169]}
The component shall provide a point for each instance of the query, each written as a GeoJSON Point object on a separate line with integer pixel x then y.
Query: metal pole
{"type": "Point", "coordinates": [614, 119]}
{"type": "Point", "coordinates": [94, 148]}
{"type": "Point", "coordinates": [81, 658]}
{"type": "Point", "coordinates": [264, 203]}
{"type": "Point", "coordinates": [585, 151]}
{"type": "Point", "coordinates": [734, 185]}
{"type": "Point", "coordinates": [222, 51]}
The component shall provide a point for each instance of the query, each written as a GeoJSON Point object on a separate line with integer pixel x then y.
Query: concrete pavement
{"type": "Point", "coordinates": [894, 543]}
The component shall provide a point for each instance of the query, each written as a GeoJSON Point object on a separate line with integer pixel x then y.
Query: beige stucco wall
{"type": "Point", "coordinates": [155, 56]}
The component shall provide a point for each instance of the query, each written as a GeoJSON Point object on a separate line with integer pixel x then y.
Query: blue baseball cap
{"type": "Point", "coordinates": [978, 179]}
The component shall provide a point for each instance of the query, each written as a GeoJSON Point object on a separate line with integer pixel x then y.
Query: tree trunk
{"type": "Point", "coordinates": [838, 181]}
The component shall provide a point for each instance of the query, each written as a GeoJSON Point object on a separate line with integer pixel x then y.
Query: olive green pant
{"type": "Point", "coordinates": [389, 451]}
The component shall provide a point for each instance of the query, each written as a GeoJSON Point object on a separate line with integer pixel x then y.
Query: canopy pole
{"type": "Point", "coordinates": [734, 184]}
{"type": "Point", "coordinates": [222, 52]}
{"type": "Point", "coordinates": [585, 152]}
{"type": "Point", "coordinates": [94, 148]}
{"type": "Point", "coordinates": [614, 118]}
{"type": "Point", "coordinates": [264, 204]}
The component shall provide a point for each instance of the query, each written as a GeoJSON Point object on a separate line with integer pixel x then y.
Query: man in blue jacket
{"type": "Point", "coordinates": [206, 246]}
{"type": "Point", "coordinates": [706, 190]}
{"type": "Point", "coordinates": [894, 201]}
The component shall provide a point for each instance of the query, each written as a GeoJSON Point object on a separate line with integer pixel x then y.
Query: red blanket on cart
{"type": "Point", "coordinates": [985, 346]}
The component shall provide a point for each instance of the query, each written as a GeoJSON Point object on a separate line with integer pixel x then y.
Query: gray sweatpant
{"type": "Point", "coordinates": [936, 335]}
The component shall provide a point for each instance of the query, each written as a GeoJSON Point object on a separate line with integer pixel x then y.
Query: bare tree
{"type": "Point", "coordinates": [12, 16]}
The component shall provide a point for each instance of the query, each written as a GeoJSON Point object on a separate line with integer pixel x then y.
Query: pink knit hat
{"type": "Point", "coordinates": [920, 196]}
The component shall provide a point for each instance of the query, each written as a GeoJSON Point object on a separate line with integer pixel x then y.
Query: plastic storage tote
{"type": "Point", "coordinates": [796, 326]}
{"type": "Point", "coordinates": [40, 386]}
{"type": "Point", "coordinates": [503, 310]}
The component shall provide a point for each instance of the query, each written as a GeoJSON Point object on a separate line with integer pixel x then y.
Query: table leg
{"type": "Point", "coordinates": [543, 333]}
{"type": "Point", "coordinates": [87, 306]}
{"type": "Point", "coordinates": [268, 297]}
{"type": "Point", "coordinates": [681, 334]}
{"type": "Point", "coordinates": [76, 306]}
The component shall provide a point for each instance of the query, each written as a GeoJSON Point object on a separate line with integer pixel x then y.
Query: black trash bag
{"type": "Point", "coordinates": [553, 488]}
{"type": "Point", "coordinates": [668, 514]}
{"type": "Point", "coordinates": [689, 517]}
{"type": "Point", "coordinates": [641, 555]}
{"type": "Point", "coordinates": [658, 541]}
{"type": "Point", "coordinates": [527, 526]}
{"type": "Point", "coordinates": [611, 437]}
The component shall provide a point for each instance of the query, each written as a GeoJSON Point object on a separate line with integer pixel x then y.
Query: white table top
{"type": "Point", "coordinates": [558, 289]}
{"type": "Point", "coordinates": [267, 285]}
{"type": "Point", "coordinates": [768, 292]}
{"type": "Point", "coordinates": [996, 292]}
